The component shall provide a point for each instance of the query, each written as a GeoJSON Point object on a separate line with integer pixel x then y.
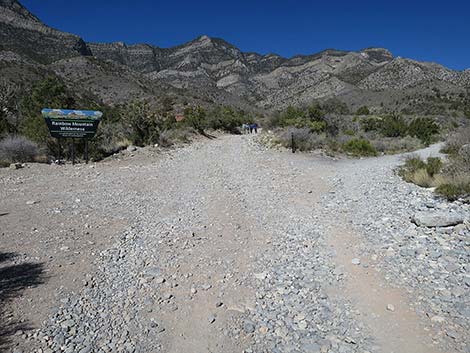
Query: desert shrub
{"type": "Point", "coordinates": [170, 137]}
{"type": "Point", "coordinates": [395, 145]}
{"type": "Point", "coordinates": [227, 119]}
{"type": "Point", "coordinates": [421, 178]}
{"type": "Point", "coordinates": [10, 93]}
{"type": "Point", "coordinates": [363, 111]}
{"type": "Point", "coordinates": [304, 139]}
{"type": "Point", "coordinates": [414, 163]}
{"type": "Point", "coordinates": [5, 126]}
{"type": "Point", "coordinates": [466, 112]}
{"type": "Point", "coordinates": [15, 149]}
{"type": "Point", "coordinates": [453, 190]}
{"type": "Point", "coordinates": [335, 106]}
{"type": "Point", "coordinates": [424, 129]}
{"type": "Point", "coordinates": [414, 171]}
{"type": "Point", "coordinates": [196, 118]}
{"type": "Point", "coordinates": [449, 191]}
{"type": "Point", "coordinates": [453, 186]}
{"type": "Point", "coordinates": [393, 126]}
{"type": "Point", "coordinates": [455, 142]}
{"type": "Point", "coordinates": [359, 147]}
{"type": "Point", "coordinates": [371, 124]}
{"type": "Point", "coordinates": [145, 121]}
{"type": "Point", "coordinates": [432, 173]}
{"type": "Point", "coordinates": [312, 118]}
{"type": "Point", "coordinates": [433, 166]}
{"type": "Point", "coordinates": [111, 137]}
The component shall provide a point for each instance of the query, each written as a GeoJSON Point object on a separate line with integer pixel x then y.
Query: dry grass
{"type": "Point", "coordinates": [422, 178]}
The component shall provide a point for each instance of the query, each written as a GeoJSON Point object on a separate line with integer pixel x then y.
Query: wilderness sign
{"type": "Point", "coordinates": [64, 123]}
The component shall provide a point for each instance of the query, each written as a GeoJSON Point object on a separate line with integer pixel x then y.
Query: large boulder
{"type": "Point", "coordinates": [438, 219]}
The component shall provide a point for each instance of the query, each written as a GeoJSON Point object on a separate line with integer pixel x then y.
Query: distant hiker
{"type": "Point", "coordinates": [254, 128]}
{"type": "Point", "coordinates": [245, 128]}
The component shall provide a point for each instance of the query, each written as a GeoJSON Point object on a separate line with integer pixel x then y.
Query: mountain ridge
{"type": "Point", "coordinates": [215, 70]}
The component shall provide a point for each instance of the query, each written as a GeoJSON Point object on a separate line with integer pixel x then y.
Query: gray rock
{"type": "Point", "coordinates": [248, 327]}
{"type": "Point", "coordinates": [311, 348]}
{"type": "Point", "coordinates": [16, 166]}
{"type": "Point", "coordinates": [437, 219]}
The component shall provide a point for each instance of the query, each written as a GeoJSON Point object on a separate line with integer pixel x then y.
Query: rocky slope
{"type": "Point", "coordinates": [212, 70]}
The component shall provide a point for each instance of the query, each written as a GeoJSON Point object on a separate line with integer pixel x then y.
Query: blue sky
{"type": "Point", "coordinates": [422, 30]}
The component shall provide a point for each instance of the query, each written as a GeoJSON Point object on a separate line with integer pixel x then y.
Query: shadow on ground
{"type": "Point", "coordinates": [15, 278]}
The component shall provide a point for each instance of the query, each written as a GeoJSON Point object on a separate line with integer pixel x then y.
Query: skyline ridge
{"type": "Point", "coordinates": [128, 24]}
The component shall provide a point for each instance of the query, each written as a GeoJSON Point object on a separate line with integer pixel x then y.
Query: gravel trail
{"type": "Point", "coordinates": [226, 246]}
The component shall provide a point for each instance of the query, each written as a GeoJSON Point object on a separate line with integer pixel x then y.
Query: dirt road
{"type": "Point", "coordinates": [225, 246]}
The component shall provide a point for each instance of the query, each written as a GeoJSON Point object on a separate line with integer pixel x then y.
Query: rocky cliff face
{"type": "Point", "coordinates": [218, 71]}
{"type": "Point", "coordinates": [24, 33]}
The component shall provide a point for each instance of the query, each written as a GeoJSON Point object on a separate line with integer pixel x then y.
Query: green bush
{"type": "Point", "coordinates": [371, 124]}
{"type": "Point", "coordinates": [433, 165]}
{"type": "Point", "coordinates": [227, 119]}
{"type": "Point", "coordinates": [359, 147]}
{"type": "Point", "coordinates": [423, 128]}
{"type": "Point", "coordinates": [312, 118]}
{"type": "Point", "coordinates": [432, 173]}
{"type": "Point", "coordinates": [414, 163]}
{"type": "Point", "coordinates": [145, 121]}
{"type": "Point", "coordinates": [393, 126]}
{"type": "Point", "coordinates": [196, 118]}
{"type": "Point", "coordinates": [48, 93]}
{"type": "Point", "coordinates": [415, 171]}
{"type": "Point", "coordinates": [453, 191]}
{"type": "Point", "coordinates": [363, 111]}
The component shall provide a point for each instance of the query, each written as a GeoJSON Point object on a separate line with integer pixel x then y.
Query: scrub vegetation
{"type": "Point", "coordinates": [450, 178]}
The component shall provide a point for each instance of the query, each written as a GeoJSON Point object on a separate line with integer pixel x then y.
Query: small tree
{"type": "Point", "coordinates": [48, 93]}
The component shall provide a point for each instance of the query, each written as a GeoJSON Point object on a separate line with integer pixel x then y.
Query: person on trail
{"type": "Point", "coordinates": [255, 127]}
{"type": "Point", "coordinates": [245, 128]}
{"type": "Point", "coordinates": [251, 128]}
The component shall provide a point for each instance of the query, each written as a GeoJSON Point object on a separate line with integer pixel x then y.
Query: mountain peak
{"type": "Point", "coordinates": [203, 38]}
{"type": "Point", "coordinates": [377, 54]}
{"type": "Point", "coordinates": [13, 10]}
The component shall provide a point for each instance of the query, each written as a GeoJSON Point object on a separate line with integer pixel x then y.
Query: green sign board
{"type": "Point", "coordinates": [63, 123]}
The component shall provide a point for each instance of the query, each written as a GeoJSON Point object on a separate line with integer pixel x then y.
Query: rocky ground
{"type": "Point", "coordinates": [226, 246]}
